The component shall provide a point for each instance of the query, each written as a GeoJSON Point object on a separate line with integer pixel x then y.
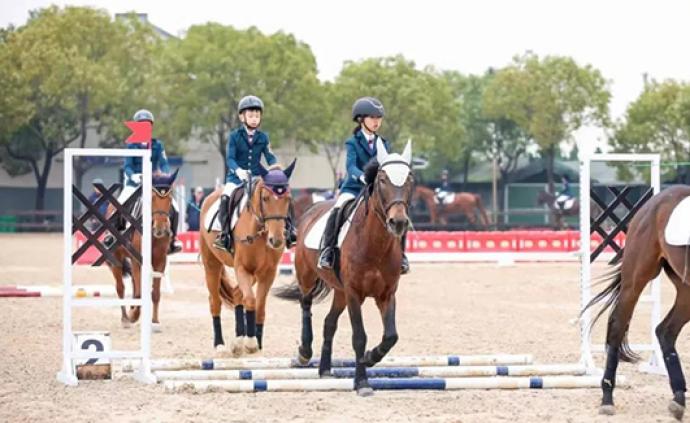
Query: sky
{"type": "Point", "coordinates": [623, 39]}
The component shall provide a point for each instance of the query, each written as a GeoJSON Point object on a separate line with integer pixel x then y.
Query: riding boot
{"type": "Point", "coordinates": [175, 245]}
{"type": "Point", "coordinates": [109, 239]}
{"type": "Point", "coordinates": [330, 238]}
{"type": "Point", "coordinates": [405, 264]}
{"type": "Point", "coordinates": [224, 239]}
{"type": "Point", "coordinates": [290, 229]}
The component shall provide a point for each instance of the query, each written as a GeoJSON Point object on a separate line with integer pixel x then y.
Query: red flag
{"type": "Point", "coordinates": [141, 131]}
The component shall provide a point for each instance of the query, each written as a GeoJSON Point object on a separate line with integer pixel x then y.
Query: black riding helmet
{"type": "Point", "coordinates": [367, 106]}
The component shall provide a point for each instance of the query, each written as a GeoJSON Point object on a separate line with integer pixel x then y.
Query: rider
{"type": "Point", "coordinates": [443, 189]}
{"type": "Point", "coordinates": [368, 112]}
{"type": "Point", "coordinates": [133, 170]}
{"type": "Point", "coordinates": [246, 145]}
{"type": "Point", "coordinates": [565, 194]}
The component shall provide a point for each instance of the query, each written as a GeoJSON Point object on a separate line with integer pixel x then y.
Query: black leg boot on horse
{"type": "Point", "coordinates": [330, 241]}
{"type": "Point", "coordinates": [405, 264]}
{"type": "Point", "coordinates": [175, 245]}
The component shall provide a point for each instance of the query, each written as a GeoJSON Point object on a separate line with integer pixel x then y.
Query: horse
{"type": "Point", "coordinates": [259, 244]}
{"type": "Point", "coordinates": [368, 265]}
{"type": "Point", "coordinates": [646, 253]}
{"type": "Point", "coordinates": [161, 231]}
{"type": "Point", "coordinates": [466, 203]}
{"type": "Point", "coordinates": [306, 199]}
{"type": "Point", "coordinates": [545, 197]}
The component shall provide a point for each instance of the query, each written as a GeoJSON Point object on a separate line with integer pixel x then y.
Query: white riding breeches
{"type": "Point", "coordinates": [229, 188]}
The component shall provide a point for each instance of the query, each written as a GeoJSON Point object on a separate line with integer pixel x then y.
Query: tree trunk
{"type": "Point", "coordinates": [549, 165]}
{"type": "Point", "coordinates": [465, 170]}
{"type": "Point", "coordinates": [42, 181]}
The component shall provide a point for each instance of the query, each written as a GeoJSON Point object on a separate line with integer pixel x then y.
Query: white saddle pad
{"type": "Point", "coordinates": [313, 239]}
{"type": "Point", "coordinates": [212, 219]}
{"type": "Point", "coordinates": [317, 197]}
{"type": "Point", "coordinates": [567, 205]}
{"type": "Point", "coordinates": [677, 230]}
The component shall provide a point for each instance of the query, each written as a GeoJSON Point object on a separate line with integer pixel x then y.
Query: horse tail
{"type": "Point", "coordinates": [230, 295]}
{"type": "Point", "coordinates": [293, 292]}
{"type": "Point", "coordinates": [482, 210]}
{"type": "Point", "coordinates": [611, 298]}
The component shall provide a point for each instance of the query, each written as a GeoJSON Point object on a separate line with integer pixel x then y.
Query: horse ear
{"type": "Point", "coordinates": [407, 152]}
{"type": "Point", "coordinates": [262, 170]}
{"type": "Point", "coordinates": [174, 176]}
{"type": "Point", "coordinates": [381, 152]}
{"type": "Point", "coordinates": [290, 169]}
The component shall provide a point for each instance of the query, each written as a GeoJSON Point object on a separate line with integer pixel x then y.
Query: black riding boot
{"type": "Point", "coordinates": [175, 245]}
{"type": "Point", "coordinates": [330, 240]}
{"type": "Point", "coordinates": [224, 240]}
{"type": "Point", "coordinates": [405, 264]}
{"type": "Point", "coordinates": [109, 239]}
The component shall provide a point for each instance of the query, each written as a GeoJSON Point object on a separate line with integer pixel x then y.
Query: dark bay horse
{"type": "Point", "coordinates": [466, 203]}
{"type": "Point", "coordinates": [161, 231]}
{"type": "Point", "coordinates": [646, 253]}
{"type": "Point", "coordinates": [368, 265]}
{"type": "Point", "coordinates": [259, 244]}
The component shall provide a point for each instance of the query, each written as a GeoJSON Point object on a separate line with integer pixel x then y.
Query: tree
{"type": "Point", "coordinates": [549, 99]}
{"type": "Point", "coordinates": [419, 104]}
{"type": "Point", "coordinates": [214, 66]}
{"type": "Point", "coordinates": [658, 122]}
{"type": "Point", "coordinates": [63, 75]}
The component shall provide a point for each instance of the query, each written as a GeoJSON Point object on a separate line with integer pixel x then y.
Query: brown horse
{"type": "Point", "coordinates": [259, 244]}
{"type": "Point", "coordinates": [646, 253]}
{"type": "Point", "coordinates": [368, 265]}
{"type": "Point", "coordinates": [161, 204]}
{"type": "Point", "coordinates": [559, 215]}
{"type": "Point", "coordinates": [466, 203]}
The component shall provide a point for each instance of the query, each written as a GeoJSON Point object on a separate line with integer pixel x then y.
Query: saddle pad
{"type": "Point", "coordinates": [677, 230]}
{"type": "Point", "coordinates": [449, 198]}
{"type": "Point", "coordinates": [212, 220]}
{"type": "Point", "coordinates": [566, 206]}
{"type": "Point", "coordinates": [313, 238]}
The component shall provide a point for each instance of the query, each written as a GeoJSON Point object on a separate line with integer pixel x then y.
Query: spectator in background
{"type": "Point", "coordinates": [194, 209]}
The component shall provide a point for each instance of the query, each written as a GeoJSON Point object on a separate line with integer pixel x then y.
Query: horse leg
{"type": "Point", "coordinates": [633, 277]}
{"type": "Point", "coordinates": [213, 269]}
{"type": "Point", "coordinates": [248, 343]}
{"type": "Point", "coordinates": [330, 325]}
{"type": "Point", "coordinates": [307, 280]}
{"type": "Point", "coordinates": [667, 333]}
{"type": "Point", "coordinates": [264, 283]}
{"type": "Point", "coordinates": [136, 291]}
{"type": "Point", "coordinates": [120, 289]}
{"type": "Point", "coordinates": [156, 299]}
{"type": "Point", "coordinates": [359, 343]}
{"type": "Point", "coordinates": [390, 334]}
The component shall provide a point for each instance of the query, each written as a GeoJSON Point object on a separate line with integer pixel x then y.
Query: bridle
{"type": "Point", "coordinates": [261, 217]}
{"type": "Point", "coordinates": [380, 209]}
{"type": "Point", "coordinates": [165, 213]}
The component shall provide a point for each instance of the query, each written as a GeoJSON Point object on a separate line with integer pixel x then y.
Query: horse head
{"type": "Point", "coordinates": [391, 187]}
{"type": "Point", "coordinates": [161, 203]}
{"type": "Point", "coordinates": [271, 202]}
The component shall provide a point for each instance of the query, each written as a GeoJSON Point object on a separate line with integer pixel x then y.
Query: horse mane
{"type": "Point", "coordinates": [371, 169]}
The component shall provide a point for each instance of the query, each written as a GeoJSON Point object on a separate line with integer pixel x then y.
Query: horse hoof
{"type": "Point", "coordinates": [327, 375]}
{"type": "Point", "coordinates": [220, 349]}
{"type": "Point", "coordinates": [251, 345]}
{"type": "Point", "coordinates": [607, 410]}
{"type": "Point", "coordinates": [365, 391]}
{"type": "Point", "coordinates": [156, 328]}
{"type": "Point", "coordinates": [238, 346]}
{"type": "Point", "coordinates": [126, 324]}
{"type": "Point", "coordinates": [676, 409]}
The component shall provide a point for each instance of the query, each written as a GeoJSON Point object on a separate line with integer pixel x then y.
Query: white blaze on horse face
{"type": "Point", "coordinates": [397, 172]}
